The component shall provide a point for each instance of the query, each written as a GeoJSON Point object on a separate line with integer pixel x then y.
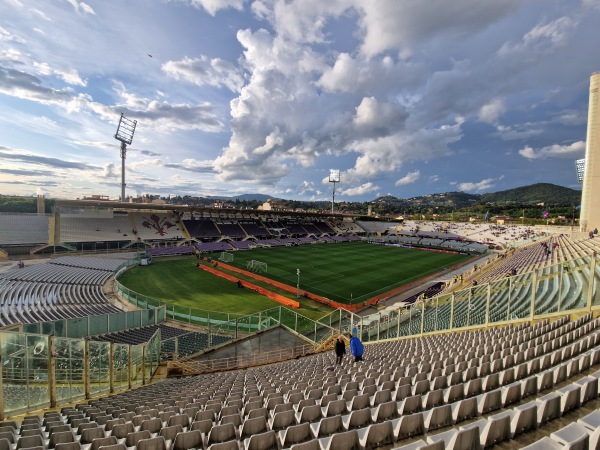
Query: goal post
{"type": "Point", "coordinates": [226, 257]}
{"type": "Point", "coordinates": [256, 266]}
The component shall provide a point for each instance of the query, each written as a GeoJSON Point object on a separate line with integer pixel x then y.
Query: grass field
{"type": "Point", "coordinates": [349, 272]}
{"type": "Point", "coordinates": [178, 281]}
{"type": "Point", "coordinates": [341, 272]}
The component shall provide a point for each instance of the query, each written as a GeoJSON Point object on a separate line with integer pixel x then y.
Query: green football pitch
{"type": "Point", "coordinates": [349, 272]}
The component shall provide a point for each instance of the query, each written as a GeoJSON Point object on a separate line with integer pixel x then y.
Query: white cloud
{"type": "Point", "coordinates": [519, 131]}
{"type": "Point", "coordinates": [477, 186]}
{"type": "Point", "coordinates": [409, 178]}
{"type": "Point", "coordinates": [69, 76]}
{"type": "Point", "coordinates": [200, 71]}
{"type": "Point", "coordinates": [214, 6]}
{"type": "Point", "coordinates": [81, 7]}
{"type": "Point", "coordinates": [401, 26]}
{"type": "Point", "coordinates": [109, 171]}
{"type": "Point", "coordinates": [491, 112]}
{"type": "Point", "coordinates": [543, 37]}
{"type": "Point", "coordinates": [554, 151]}
{"type": "Point", "coordinates": [365, 188]}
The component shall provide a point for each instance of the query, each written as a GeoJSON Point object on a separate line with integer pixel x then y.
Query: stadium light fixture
{"type": "Point", "coordinates": [334, 177]}
{"type": "Point", "coordinates": [124, 134]}
{"type": "Point", "coordinates": [580, 169]}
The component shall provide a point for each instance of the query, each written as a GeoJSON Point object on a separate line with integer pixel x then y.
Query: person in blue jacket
{"type": "Point", "coordinates": [356, 347]}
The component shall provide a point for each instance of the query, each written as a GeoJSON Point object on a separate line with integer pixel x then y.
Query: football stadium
{"type": "Point", "coordinates": [156, 326]}
{"type": "Point", "coordinates": [176, 327]}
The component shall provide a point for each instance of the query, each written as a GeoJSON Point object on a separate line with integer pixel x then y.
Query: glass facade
{"type": "Point", "coordinates": [80, 369]}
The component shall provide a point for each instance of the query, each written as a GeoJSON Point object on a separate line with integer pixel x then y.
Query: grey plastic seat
{"type": "Point", "coordinates": [569, 398]}
{"type": "Point", "coordinates": [408, 426]}
{"type": "Point", "coordinates": [348, 440]}
{"type": "Point", "coordinates": [282, 420]}
{"type": "Point", "coordinates": [68, 446]}
{"type": "Point", "coordinates": [489, 401]}
{"type": "Point", "coordinates": [205, 425]}
{"type": "Point", "coordinates": [119, 446]}
{"type": "Point", "coordinates": [61, 437]}
{"type": "Point", "coordinates": [357, 419]}
{"type": "Point", "coordinates": [89, 434]}
{"type": "Point", "coordinates": [152, 425]}
{"type": "Point", "coordinates": [376, 435]}
{"type": "Point", "coordinates": [510, 394]}
{"type": "Point", "coordinates": [461, 439]}
{"type": "Point", "coordinates": [313, 444]}
{"type": "Point", "coordinates": [221, 433]}
{"type": "Point", "coordinates": [548, 408]}
{"type": "Point", "coordinates": [169, 433]}
{"type": "Point", "coordinates": [359, 401]}
{"type": "Point", "coordinates": [253, 426]}
{"type": "Point", "coordinates": [132, 439]}
{"type": "Point", "coordinates": [464, 409]}
{"type": "Point", "coordinates": [544, 443]}
{"type": "Point", "coordinates": [103, 442]}
{"type": "Point", "coordinates": [235, 419]}
{"type": "Point", "coordinates": [410, 405]}
{"type": "Point", "coordinates": [437, 417]}
{"type": "Point", "coordinates": [187, 440]}
{"type": "Point", "coordinates": [10, 435]}
{"type": "Point", "coordinates": [590, 421]}
{"type": "Point", "coordinates": [422, 445]}
{"type": "Point", "coordinates": [572, 436]}
{"type": "Point", "coordinates": [121, 430]}
{"type": "Point", "coordinates": [206, 414]}
{"type": "Point", "coordinates": [454, 393]}
{"type": "Point", "coordinates": [309, 414]}
{"type": "Point", "coordinates": [155, 443]}
{"type": "Point", "coordinates": [327, 426]}
{"type": "Point", "coordinates": [179, 419]}
{"type": "Point", "coordinates": [295, 434]}
{"type": "Point", "coordinates": [492, 430]}
{"type": "Point", "coordinates": [261, 441]}
{"type": "Point", "coordinates": [524, 418]}
{"type": "Point", "coordinates": [385, 411]}
{"type": "Point", "coordinates": [334, 408]}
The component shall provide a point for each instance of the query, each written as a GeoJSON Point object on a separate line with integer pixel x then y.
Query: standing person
{"type": "Point", "coordinates": [356, 347]}
{"type": "Point", "coordinates": [340, 349]}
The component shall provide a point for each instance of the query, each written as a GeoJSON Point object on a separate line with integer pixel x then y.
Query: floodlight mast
{"type": "Point", "coordinates": [334, 177]}
{"type": "Point", "coordinates": [124, 134]}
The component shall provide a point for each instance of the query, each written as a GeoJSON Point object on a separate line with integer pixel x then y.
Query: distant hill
{"type": "Point", "coordinates": [242, 197]}
{"type": "Point", "coordinates": [549, 194]}
{"type": "Point", "coordinates": [536, 193]}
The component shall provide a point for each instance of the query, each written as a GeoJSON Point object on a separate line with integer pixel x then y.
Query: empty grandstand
{"type": "Point", "coordinates": [526, 356]}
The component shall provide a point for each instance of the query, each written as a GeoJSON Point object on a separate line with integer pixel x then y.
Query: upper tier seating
{"type": "Point", "coordinates": [96, 229]}
{"type": "Point", "coordinates": [23, 229]}
{"type": "Point", "coordinates": [202, 228]}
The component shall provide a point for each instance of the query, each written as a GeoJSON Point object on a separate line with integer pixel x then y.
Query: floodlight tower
{"type": "Point", "coordinates": [334, 177]}
{"type": "Point", "coordinates": [589, 217]}
{"type": "Point", "coordinates": [124, 134]}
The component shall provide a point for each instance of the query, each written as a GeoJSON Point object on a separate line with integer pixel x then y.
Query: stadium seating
{"type": "Point", "coordinates": [66, 287]}
{"type": "Point", "coordinates": [404, 390]}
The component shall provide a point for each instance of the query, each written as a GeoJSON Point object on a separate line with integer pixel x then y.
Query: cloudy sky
{"type": "Point", "coordinates": [404, 97]}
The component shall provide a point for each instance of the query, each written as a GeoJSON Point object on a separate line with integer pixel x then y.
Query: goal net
{"type": "Point", "coordinates": [256, 266]}
{"type": "Point", "coordinates": [226, 257]}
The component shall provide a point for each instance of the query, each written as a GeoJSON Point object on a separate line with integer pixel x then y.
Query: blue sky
{"type": "Point", "coordinates": [404, 97]}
